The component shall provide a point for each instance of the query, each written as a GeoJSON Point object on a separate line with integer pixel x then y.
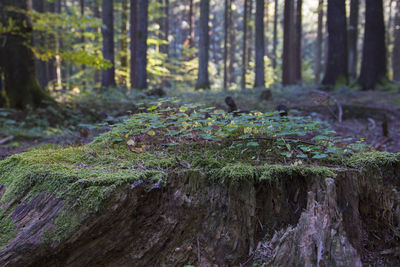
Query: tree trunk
{"type": "Point", "coordinates": [133, 44]}
{"type": "Point", "coordinates": [289, 45]}
{"type": "Point", "coordinates": [124, 33]}
{"type": "Point", "coordinates": [275, 41]}
{"type": "Point", "coordinates": [141, 39]}
{"type": "Point", "coordinates": [244, 50]}
{"type": "Point", "coordinates": [232, 41]}
{"type": "Point", "coordinates": [353, 38]}
{"type": "Point", "coordinates": [191, 24]}
{"type": "Point", "coordinates": [298, 40]}
{"type": "Point", "coordinates": [318, 55]}
{"type": "Point", "coordinates": [373, 67]}
{"type": "Point", "coordinates": [17, 61]}
{"type": "Point", "coordinates": [96, 13]}
{"type": "Point", "coordinates": [396, 45]}
{"type": "Point", "coordinates": [226, 41]}
{"type": "Point", "coordinates": [108, 75]}
{"type": "Point", "coordinates": [336, 67]}
{"type": "Point", "coordinates": [204, 43]}
{"type": "Point", "coordinates": [259, 45]}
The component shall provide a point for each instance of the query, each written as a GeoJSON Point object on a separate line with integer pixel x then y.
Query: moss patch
{"type": "Point", "coordinates": [7, 231]}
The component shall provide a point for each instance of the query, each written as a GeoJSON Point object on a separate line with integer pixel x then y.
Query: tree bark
{"type": "Point", "coordinates": [204, 43]}
{"type": "Point", "coordinates": [96, 12]}
{"type": "Point", "coordinates": [298, 40]}
{"type": "Point", "coordinates": [353, 37]}
{"type": "Point", "coordinates": [244, 50]}
{"type": "Point", "coordinates": [226, 40]}
{"type": "Point", "coordinates": [232, 41]}
{"type": "Point", "coordinates": [396, 45]}
{"type": "Point", "coordinates": [318, 54]}
{"type": "Point", "coordinates": [289, 47]}
{"type": "Point", "coordinates": [259, 45]}
{"type": "Point", "coordinates": [373, 67]}
{"type": "Point", "coordinates": [141, 39]}
{"type": "Point", "coordinates": [191, 24]}
{"type": "Point", "coordinates": [17, 61]}
{"type": "Point", "coordinates": [133, 44]}
{"type": "Point", "coordinates": [336, 67]}
{"type": "Point", "coordinates": [124, 33]}
{"type": "Point", "coordinates": [275, 41]}
{"type": "Point", "coordinates": [108, 75]}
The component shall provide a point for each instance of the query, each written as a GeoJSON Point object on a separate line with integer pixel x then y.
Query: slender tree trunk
{"type": "Point", "coordinates": [52, 43]}
{"type": "Point", "coordinates": [226, 39]}
{"type": "Point", "coordinates": [275, 41]}
{"type": "Point", "coordinates": [133, 44]}
{"type": "Point", "coordinates": [204, 43]}
{"type": "Point", "coordinates": [250, 30]}
{"type": "Point", "coordinates": [191, 24]}
{"type": "Point", "coordinates": [353, 38]}
{"type": "Point", "coordinates": [59, 47]}
{"type": "Point", "coordinates": [108, 75]}
{"type": "Point", "coordinates": [124, 33]}
{"type": "Point", "coordinates": [318, 53]}
{"type": "Point", "coordinates": [298, 39]}
{"type": "Point", "coordinates": [396, 46]}
{"type": "Point", "coordinates": [373, 67]}
{"type": "Point", "coordinates": [232, 38]}
{"type": "Point", "coordinates": [336, 67]}
{"type": "Point", "coordinates": [259, 45]}
{"type": "Point", "coordinates": [244, 50]}
{"type": "Point", "coordinates": [289, 45]}
{"type": "Point", "coordinates": [96, 13]}
{"type": "Point", "coordinates": [141, 39]}
{"type": "Point", "coordinates": [17, 61]}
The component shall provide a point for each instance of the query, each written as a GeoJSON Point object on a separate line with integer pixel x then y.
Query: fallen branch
{"type": "Point", "coordinates": [5, 140]}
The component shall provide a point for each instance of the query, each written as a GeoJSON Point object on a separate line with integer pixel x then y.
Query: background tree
{"type": "Point", "coordinates": [244, 50]}
{"type": "Point", "coordinates": [133, 44]}
{"type": "Point", "coordinates": [275, 34]}
{"type": "Point", "coordinates": [17, 61]}
{"type": "Point", "coordinates": [373, 67]}
{"type": "Point", "coordinates": [259, 45]}
{"type": "Point", "coordinates": [108, 75]}
{"type": "Point", "coordinates": [353, 37]}
{"type": "Point", "coordinates": [141, 40]}
{"type": "Point", "coordinates": [226, 40]}
{"type": "Point", "coordinates": [396, 44]}
{"type": "Point", "coordinates": [336, 66]}
{"type": "Point", "coordinates": [204, 43]}
{"type": "Point", "coordinates": [318, 50]}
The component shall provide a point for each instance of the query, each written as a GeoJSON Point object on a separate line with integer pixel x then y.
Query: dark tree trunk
{"type": "Point", "coordinates": [353, 38]}
{"type": "Point", "coordinates": [124, 33]}
{"type": "Point", "coordinates": [244, 50]}
{"type": "Point", "coordinates": [108, 75]}
{"type": "Point", "coordinates": [133, 44]}
{"type": "Point", "coordinates": [336, 67]}
{"type": "Point", "coordinates": [204, 43]}
{"type": "Point", "coordinates": [298, 39]}
{"type": "Point", "coordinates": [17, 61]}
{"type": "Point", "coordinates": [318, 53]}
{"type": "Point", "coordinates": [289, 45]}
{"type": "Point", "coordinates": [373, 67]}
{"type": "Point", "coordinates": [141, 39]}
{"type": "Point", "coordinates": [232, 41]}
{"type": "Point", "coordinates": [275, 41]}
{"type": "Point", "coordinates": [226, 40]}
{"type": "Point", "coordinates": [191, 24]}
{"type": "Point", "coordinates": [259, 45]}
{"type": "Point", "coordinates": [396, 44]}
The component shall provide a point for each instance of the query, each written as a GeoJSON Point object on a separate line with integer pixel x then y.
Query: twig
{"type": "Point", "coordinates": [339, 106]}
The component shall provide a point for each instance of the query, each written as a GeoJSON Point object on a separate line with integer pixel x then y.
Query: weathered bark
{"type": "Point", "coordinates": [314, 221]}
{"type": "Point", "coordinates": [141, 39]}
{"type": "Point", "coordinates": [373, 67]}
{"type": "Point", "coordinates": [337, 64]}
{"type": "Point", "coordinates": [353, 38]}
{"type": "Point", "coordinates": [17, 61]}
{"type": "Point", "coordinates": [275, 41]}
{"type": "Point", "coordinates": [259, 45]}
{"type": "Point", "coordinates": [396, 44]}
{"type": "Point", "coordinates": [203, 81]}
{"type": "Point", "coordinates": [244, 46]}
{"type": "Point", "coordinates": [108, 75]}
{"type": "Point", "coordinates": [318, 50]}
{"type": "Point", "coordinates": [133, 44]}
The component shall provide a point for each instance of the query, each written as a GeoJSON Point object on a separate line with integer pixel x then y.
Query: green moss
{"type": "Point", "coordinates": [65, 224]}
{"type": "Point", "coordinates": [7, 229]}
{"type": "Point", "coordinates": [274, 173]}
{"type": "Point", "coordinates": [372, 159]}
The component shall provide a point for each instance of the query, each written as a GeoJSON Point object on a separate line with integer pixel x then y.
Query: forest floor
{"type": "Point", "coordinates": [373, 116]}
